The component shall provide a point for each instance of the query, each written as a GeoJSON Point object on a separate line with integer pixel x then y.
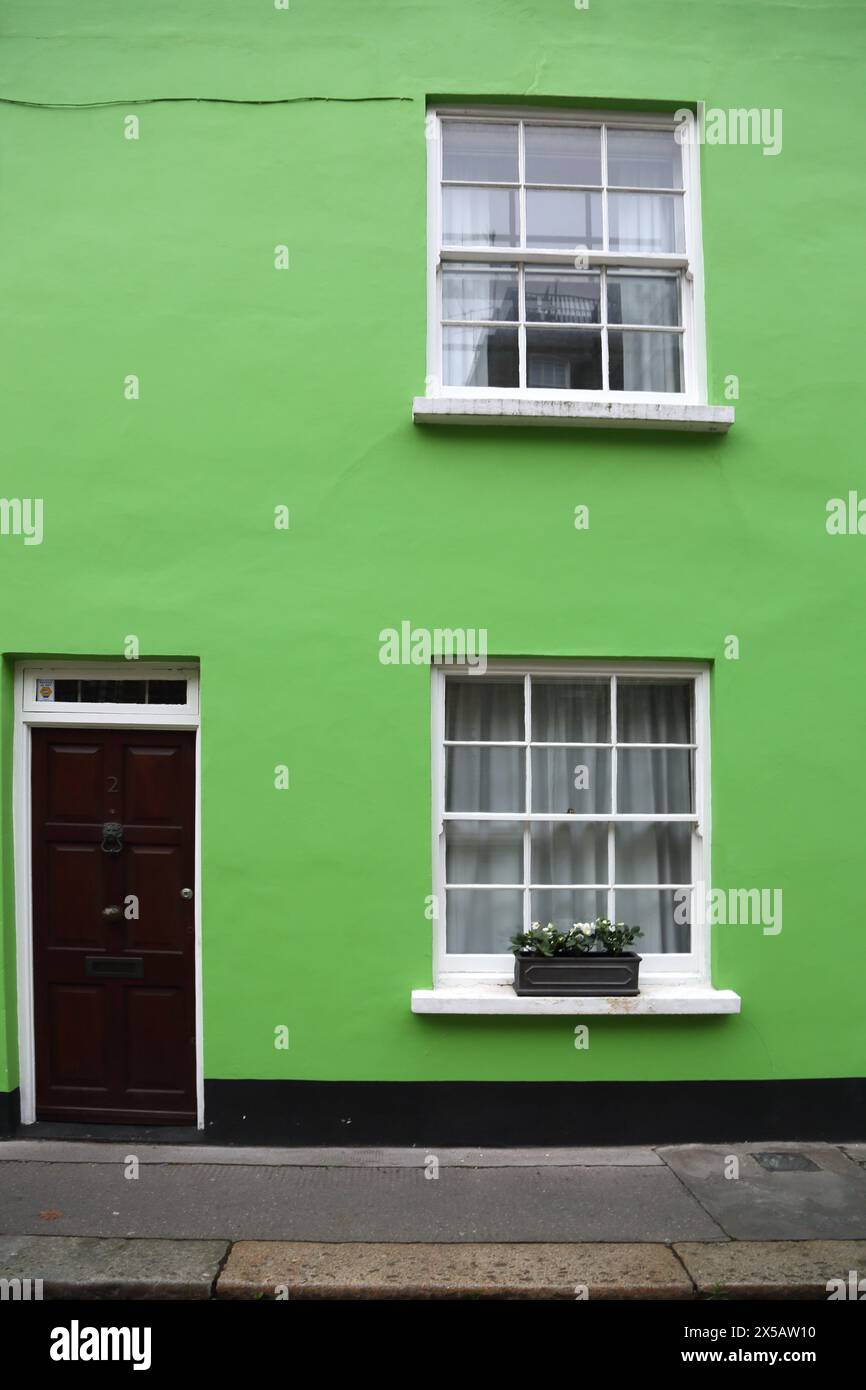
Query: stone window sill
{"type": "Point", "coordinates": [656, 997]}
{"type": "Point", "coordinates": [453, 410]}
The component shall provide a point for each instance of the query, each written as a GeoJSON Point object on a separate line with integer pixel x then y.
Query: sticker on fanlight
{"type": "Point", "coordinates": [44, 690]}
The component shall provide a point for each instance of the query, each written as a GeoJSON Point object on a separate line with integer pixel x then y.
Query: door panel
{"type": "Point", "coordinates": [74, 883]}
{"type": "Point", "coordinates": [153, 781]}
{"type": "Point", "coordinates": [114, 1046]}
{"type": "Point", "coordinates": [80, 1052]}
{"type": "Point", "coordinates": [75, 782]}
{"type": "Point", "coordinates": [157, 1015]}
{"type": "Point", "coordinates": [155, 876]}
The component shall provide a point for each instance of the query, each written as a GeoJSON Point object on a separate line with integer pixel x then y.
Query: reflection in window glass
{"type": "Point", "coordinates": [481, 357]}
{"type": "Point", "coordinates": [562, 298]}
{"type": "Point", "coordinates": [564, 360]}
{"type": "Point", "coordinates": [482, 293]}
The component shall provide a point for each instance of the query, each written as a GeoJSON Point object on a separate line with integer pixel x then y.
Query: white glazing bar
{"type": "Point", "coordinates": [605, 347]}
{"type": "Point", "coordinates": [486, 743]}
{"type": "Point", "coordinates": [611, 829]}
{"type": "Point", "coordinates": [538, 743]}
{"type": "Point", "coordinates": [523, 373]}
{"type": "Point", "coordinates": [490, 887]}
{"type": "Point", "coordinates": [527, 828]}
{"type": "Point", "coordinates": [638, 188]}
{"type": "Point", "coordinates": [598, 817]}
{"type": "Point", "coordinates": [541, 255]}
{"type": "Point", "coordinates": [487, 183]}
{"type": "Point", "coordinates": [604, 226]}
{"type": "Point", "coordinates": [521, 176]}
{"type": "Point", "coordinates": [564, 324]}
{"type": "Point", "coordinates": [522, 370]}
{"type": "Point", "coordinates": [572, 887]}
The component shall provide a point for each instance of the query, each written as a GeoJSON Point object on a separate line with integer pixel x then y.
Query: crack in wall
{"type": "Point", "coordinates": [152, 101]}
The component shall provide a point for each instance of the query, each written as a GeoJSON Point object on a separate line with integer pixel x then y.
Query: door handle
{"type": "Point", "coordinates": [112, 913]}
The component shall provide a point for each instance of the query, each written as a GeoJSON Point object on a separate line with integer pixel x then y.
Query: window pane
{"type": "Point", "coordinates": [656, 780]}
{"type": "Point", "coordinates": [645, 222]}
{"type": "Point", "coordinates": [654, 711]}
{"type": "Point", "coordinates": [563, 220]}
{"type": "Point", "coordinates": [563, 360]}
{"type": "Point", "coordinates": [571, 780]}
{"type": "Point", "coordinates": [479, 151]}
{"type": "Point", "coordinates": [484, 711]}
{"type": "Point", "coordinates": [643, 159]}
{"type": "Point", "coordinates": [483, 852]}
{"type": "Point", "coordinates": [66, 690]}
{"type": "Point", "coordinates": [113, 692]}
{"type": "Point", "coordinates": [645, 361]}
{"type": "Point", "coordinates": [482, 920]}
{"type": "Point", "coordinates": [643, 299]}
{"type": "Point", "coordinates": [662, 914]}
{"type": "Point", "coordinates": [479, 294]}
{"type": "Point", "coordinates": [565, 906]}
{"type": "Point", "coordinates": [568, 853]}
{"type": "Point", "coordinates": [653, 852]}
{"type": "Point", "coordinates": [481, 217]}
{"type": "Point", "coordinates": [480, 357]}
{"type": "Point", "coordinates": [485, 779]}
{"type": "Point", "coordinates": [166, 692]}
{"type": "Point", "coordinates": [562, 298]}
{"type": "Point", "coordinates": [559, 155]}
{"type": "Point", "coordinates": [571, 711]}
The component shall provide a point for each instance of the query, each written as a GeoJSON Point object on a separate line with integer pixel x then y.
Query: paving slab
{"type": "Point", "coordinates": [462, 1204]}
{"type": "Point", "coordinates": [271, 1269]}
{"type": "Point", "coordinates": [772, 1269]}
{"type": "Point", "coordinates": [76, 1267]}
{"type": "Point", "coordinates": [828, 1202]}
{"type": "Point", "coordinates": [66, 1151]}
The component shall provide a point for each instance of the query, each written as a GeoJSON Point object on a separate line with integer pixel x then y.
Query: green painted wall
{"type": "Point", "coordinates": [261, 387]}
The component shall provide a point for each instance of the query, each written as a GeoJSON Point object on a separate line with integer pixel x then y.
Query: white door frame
{"type": "Point", "coordinates": [30, 714]}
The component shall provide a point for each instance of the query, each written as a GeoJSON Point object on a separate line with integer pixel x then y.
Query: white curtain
{"type": "Point", "coordinates": [650, 780]}
{"type": "Point", "coordinates": [480, 356]}
{"type": "Point", "coordinates": [480, 216]}
{"type": "Point", "coordinates": [650, 361]}
{"type": "Point", "coordinates": [649, 222]}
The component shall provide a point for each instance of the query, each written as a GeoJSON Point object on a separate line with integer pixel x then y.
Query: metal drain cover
{"type": "Point", "coordinates": [786, 1162]}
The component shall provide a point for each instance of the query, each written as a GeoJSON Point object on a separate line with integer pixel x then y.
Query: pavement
{"type": "Point", "coordinates": [106, 1220]}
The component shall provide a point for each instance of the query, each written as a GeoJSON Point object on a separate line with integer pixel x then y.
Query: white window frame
{"type": "Point", "coordinates": [454, 969]}
{"type": "Point", "coordinates": [155, 715]}
{"type": "Point", "coordinates": [689, 264]}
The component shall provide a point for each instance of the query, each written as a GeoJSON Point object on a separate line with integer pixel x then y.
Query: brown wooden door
{"type": "Point", "coordinates": [114, 995]}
